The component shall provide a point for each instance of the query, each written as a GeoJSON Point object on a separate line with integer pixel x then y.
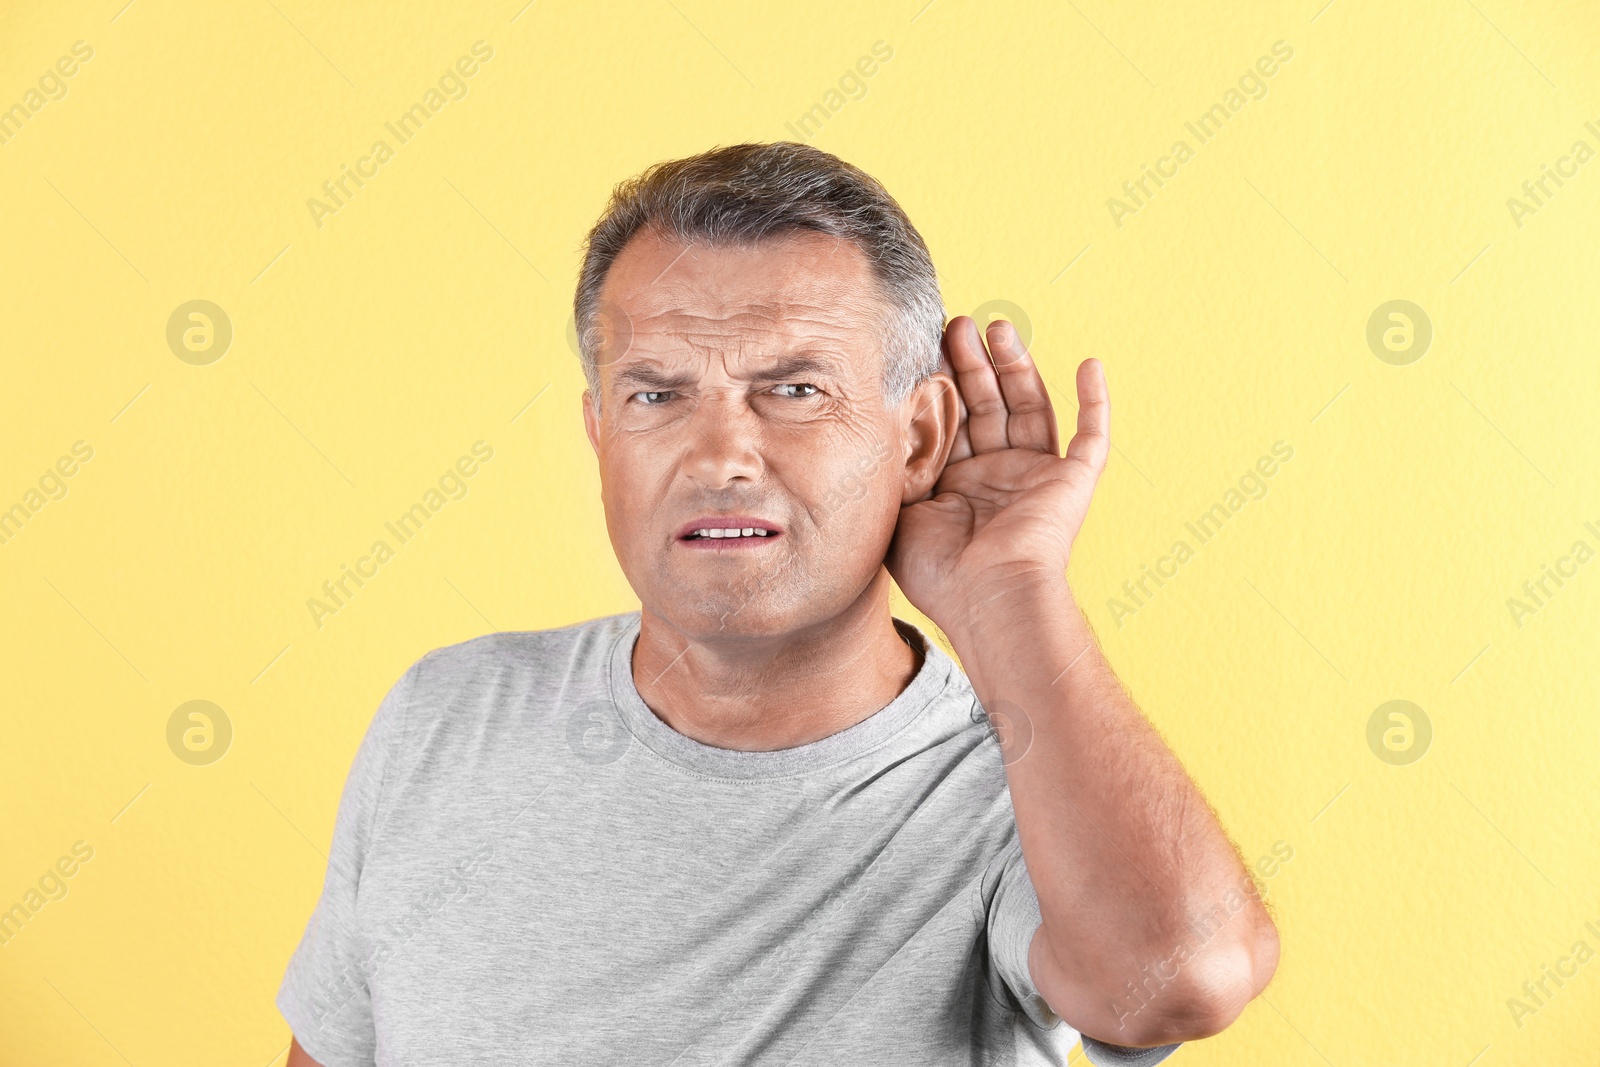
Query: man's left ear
{"type": "Point", "coordinates": [933, 411]}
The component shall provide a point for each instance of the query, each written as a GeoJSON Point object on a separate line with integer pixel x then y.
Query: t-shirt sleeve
{"type": "Point", "coordinates": [1013, 918]}
{"type": "Point", "coordinates": [324, 996]}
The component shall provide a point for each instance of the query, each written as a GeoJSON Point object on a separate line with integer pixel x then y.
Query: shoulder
{"type": "Point", "coordinates": [470, 709]}
{"type": "Point", "coordinates": [535, 656]}
{"type": "Point", "coordinates": [499, 681]}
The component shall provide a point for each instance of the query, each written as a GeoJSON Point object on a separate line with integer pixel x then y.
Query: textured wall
{"type": "Point", "coordinates": [1390, 490]}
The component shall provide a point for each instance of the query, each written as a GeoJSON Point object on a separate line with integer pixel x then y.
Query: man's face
{"type": "Point", "coordinates": [747, 382]}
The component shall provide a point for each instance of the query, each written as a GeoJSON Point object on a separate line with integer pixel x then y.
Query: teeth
{"type": "Point", "coordinates": [748, 531]}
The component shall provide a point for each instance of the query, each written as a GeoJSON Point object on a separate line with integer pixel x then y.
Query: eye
{"type": "Point", "coordinates": [799, 385]}
{"type": "Point", "coordinates": [649, 393]}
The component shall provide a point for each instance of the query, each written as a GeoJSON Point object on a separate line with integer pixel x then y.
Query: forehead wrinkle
{"type": "Point", "coordinates": [840, 326]}
{"type": "Point", "coordinates": [745, 332]}
{"type": "Point", "coordinates": [838, 318]}
{"type": "Point", "coordinates": [787, 362]}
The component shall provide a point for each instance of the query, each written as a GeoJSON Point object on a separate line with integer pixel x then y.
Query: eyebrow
{"type": "Point", "coordinates": [641, 375]}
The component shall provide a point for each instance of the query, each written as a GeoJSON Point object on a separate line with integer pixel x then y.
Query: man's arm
{"type": "Point", "coordinates": [1153, 931]}
{"type": "Point", "coordinates": [298, 1057]}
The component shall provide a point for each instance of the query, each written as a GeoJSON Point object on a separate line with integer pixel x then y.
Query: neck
{"type": "Point", "coordinates": [758, 694]}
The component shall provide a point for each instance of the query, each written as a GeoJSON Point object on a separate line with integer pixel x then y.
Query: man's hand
{"type": "Point", "coordinates": [1152, 929]}
{"type": "Point", "coordinates": [1007, 505]}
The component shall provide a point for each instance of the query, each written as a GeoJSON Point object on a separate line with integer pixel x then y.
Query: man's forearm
{"type": "Point", "coordinates": [1152, 930]}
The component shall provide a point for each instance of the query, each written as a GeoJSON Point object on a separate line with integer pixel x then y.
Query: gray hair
{"type": "Point", "coordinates": [741, 194]}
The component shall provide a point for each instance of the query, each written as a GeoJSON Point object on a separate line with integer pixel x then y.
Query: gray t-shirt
{"type": "Point", "coordinates": [529, 867]}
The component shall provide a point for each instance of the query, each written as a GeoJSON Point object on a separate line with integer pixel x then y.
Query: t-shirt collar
{"type": "Point", "coordinates": [929, 682]}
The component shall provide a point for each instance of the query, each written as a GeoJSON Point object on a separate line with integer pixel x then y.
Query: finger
{"type": "Point", "coordinates": [986, 407]}
{"type": "Point", "coordinates": [962, 447]}
{"type": "Point", "coordinates": [1092, 443]}
{"type": "Point", "coordinates": [1030, 415]}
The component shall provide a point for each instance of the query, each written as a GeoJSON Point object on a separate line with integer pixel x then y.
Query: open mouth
{"type": "Point", "coordinates": [719, 534]}
{"type": "Point", "coordinates": [728, 531]}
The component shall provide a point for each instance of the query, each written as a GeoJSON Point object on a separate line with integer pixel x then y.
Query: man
{"type": "Point", "coordinates": [760, 820]}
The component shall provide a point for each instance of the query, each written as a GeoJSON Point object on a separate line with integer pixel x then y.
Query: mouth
{"type": "Point", "coordinates": [728, 532]}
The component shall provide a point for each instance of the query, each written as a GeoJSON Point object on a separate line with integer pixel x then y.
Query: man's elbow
{"type": "Point", "coordinates": [1216, 990]}
{"type": "Point", "coordinates": [1218, 995]}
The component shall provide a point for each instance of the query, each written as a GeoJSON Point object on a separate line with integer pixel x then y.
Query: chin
{"type": "Point", "coordinates": [729, 614]}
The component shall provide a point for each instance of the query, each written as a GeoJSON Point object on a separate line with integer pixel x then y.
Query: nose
{"type": "Point", "coordinates": [724, 440]}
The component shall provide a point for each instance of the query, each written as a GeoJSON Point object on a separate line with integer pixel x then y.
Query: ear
{"type": "Point", "coordinates": [591, 422]}
{"type": "Point", "coordinates": [932, 413]}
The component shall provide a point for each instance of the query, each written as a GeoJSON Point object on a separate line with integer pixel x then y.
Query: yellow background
{"type": "Point", "coordinates": [1230, 312]}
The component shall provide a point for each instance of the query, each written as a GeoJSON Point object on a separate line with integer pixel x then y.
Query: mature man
{"type": "Point", "coordinates": [760, 820]}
